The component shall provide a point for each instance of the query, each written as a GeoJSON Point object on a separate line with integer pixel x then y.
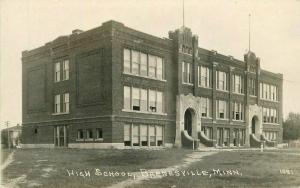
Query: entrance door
{"type": "Point", "coordinates": [253, 126]}
{"type": "Point", "coordinates": [60, 136]}
{"type": "Point", "coordinates": [188, 121]}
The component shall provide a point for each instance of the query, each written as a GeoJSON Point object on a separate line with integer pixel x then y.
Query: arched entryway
{"type": "Point", "coordinates": [188, 121]}
{"type": "Point", "coordinates": [254, 125]}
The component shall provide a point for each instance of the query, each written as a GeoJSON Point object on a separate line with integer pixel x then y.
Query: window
{"type": "Point", "coordinates": [270, 135]}
{"type": "Point", "coordinates": [143, 135]}
{"type": "Point", "coordinates": [237, 111]}
{"type": "Point", "coordinates": [221, 80]}
{"type": "Point", "coordinates": [270, 115]}
{"type": "Point", "coordinates": [35, 131]}
{"type": "Point", "coordinates": [135, 99]}
{"type": "Point", "coordinates": [89, 134]}
{"type": "Point", "coordinates": [203, 76]}
{"type": "Point", "coordinates": [222, 109]}
{"type": "Point", "coordinates": [142, 64]}
{"type": "Point", "coordinates": [127, 61]}
{"type": "Point", "coordinates": [57, 104]}
{"type": "Point", "coordinates": [66, 102]}
{"type": "Point", "coordinates": [252, 87]}
{"type": "Point", "coordinates": [186, 72]}
{"type": "Point", "coordinates": [80, 134]}
{"type": "Point", "coordinates": [127, 98]}
{"type": "Point", "coordinates": [99, 133]}
{"type": "Point", "coordinates": [66, 70]}
{"type": "Point", "coordinates": [127, 135]}
{"type": "Point", "coordinates": [57, 72]}
{"type": "Point", "coordinates": [237, 83]}
{"type": "Point", "coordinates": [205, 107]}
{"type": "Point", "coordinates": [143, 100]}
{"type": "Point", "coordinates": [208, 132]}
{"type": "Point", "coordinates": [268, 92]}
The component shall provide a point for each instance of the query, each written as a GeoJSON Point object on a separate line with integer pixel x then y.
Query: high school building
{"type": "Point", "coordinates": [115, 87]}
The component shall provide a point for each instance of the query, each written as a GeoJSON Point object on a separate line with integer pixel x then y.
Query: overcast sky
{"type": "Point", "coordinates": [220, 25]}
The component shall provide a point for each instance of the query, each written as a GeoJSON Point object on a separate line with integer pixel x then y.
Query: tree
{"type": "Point", "coordinates": [291, 127]}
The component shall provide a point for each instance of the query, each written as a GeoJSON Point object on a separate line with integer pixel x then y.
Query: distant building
{"type": "Point", "coordinates": [10, 137]}
{"type": "Point", "coordinates": [113, 86]}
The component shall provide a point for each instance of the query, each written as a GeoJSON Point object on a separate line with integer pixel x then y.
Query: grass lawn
{"type": "Point", "coordinates": [257, 170]}
{"type": "Point", "coordinates": [48, 167]}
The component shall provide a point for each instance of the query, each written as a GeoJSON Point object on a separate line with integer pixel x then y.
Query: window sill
{"type": "Point", "coordinates": [99, 139]}
{"type": "Point", "coordinates": [148, 77]}
{"type": "Point", "coordinates": [240, 121]}
{"type": "Point", "coordinates": [61, 81]}
{"type": "Point", "coordinates": [89, 139]}
{"type": "Point", "coordinates": [268, 100]}
{"type": "Point", "coordinates": [238, 93]}
{"type": "Point", "coordinates": [188, 84]}
{"type": "Point", "coordinates": [144, 112]}
{"type": "Point", "coordinates": [204, 87]}
{"type": "Point", "coordinates": [271, 123]}
{"type": "Point", "coordinates": [224, 119]}
{"type": "Point", "coordinates": [63, 113]}
{"type": "Point", "coordinates": [225, 91]}
{"type": "Point", "coordinates": [206, 117]}
{"type": "Point", "coordinates": [79, 140]}
{"type": "Point", "coordinates": [252, 96]}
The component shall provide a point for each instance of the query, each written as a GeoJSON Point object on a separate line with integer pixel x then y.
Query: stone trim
{"type": "Point", "coordinates": [37, 146]}
{"type": "Point", "coordinates": [96, 145]}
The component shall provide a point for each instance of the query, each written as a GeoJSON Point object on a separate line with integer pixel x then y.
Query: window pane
{"type": "Point", "coordinates": [127, 131]}
{"type": "Point", "coordinates": [126, 60]}
{"type": "Point", "coordinates": [159, 101]}
{"type": "Point", "coordinates": [159, 135]}
{"type": "Point", "coordinates": [143, 64]}
{"type": "Point", "coordinates": [184, 72]}
{"type": "Point", "coordinates": [57, 104]}
{"type": "Point", "coordinates": [144, 135]}
{"type": "Point", "coordinates": [99, 133]}
{"type": "Point", "coordinates": [144, 97]}
{"type": "Point", "coordinates": [65, 69]}
{"type": "Point", "coordinates": [152, 99]}
{"type": "Point", "coordinates": [136, 99]}
{"type": "Point", "coordinates": [159, 73]}
{"type": "Point", "coordinates": [135, 135]}
{"type": "Point", "coordinates": [126, 97]}
{"type": "Point", "coordinates": [152, 66]}
{"type": "Point", "coordinates": [57, 72]}
{"type": "Point", "coordinates": [152, 135]}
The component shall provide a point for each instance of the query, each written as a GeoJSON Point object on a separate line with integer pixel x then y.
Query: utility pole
{"type": "Point", "coordinates": [8, 140]}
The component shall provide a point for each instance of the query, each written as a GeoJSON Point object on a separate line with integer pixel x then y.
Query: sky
{"type": "Point", "coordinates": [220, 25]}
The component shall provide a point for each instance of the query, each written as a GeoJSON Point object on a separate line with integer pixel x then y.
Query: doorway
{"type": "Point", "coordinates": [188, 121]}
